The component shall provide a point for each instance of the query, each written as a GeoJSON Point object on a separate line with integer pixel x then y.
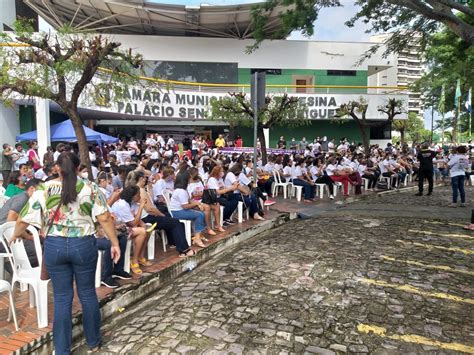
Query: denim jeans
{"type": "Point", "coordinates": [69, 259]}
{"type": "Point", "coordinates": [457, 183]}
{"type": "Point", "coordinates": [229, 206]}
{"type": "Point", "coordinates": [250, 202]}
{"type": "Point", "coordinates": [108, 267]}
{"type": "Point", "coordinates": [308, 189]}
{"type": "Point", "coordinates": [192, 215]}
{"type": "Point", "coordinates": [174, 230]}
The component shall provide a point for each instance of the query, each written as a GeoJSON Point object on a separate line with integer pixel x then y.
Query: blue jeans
{"type": "Point", "coordinates": [192, 215]}
{"type": "Point", "coordinates": [250, 202]}
{"type": "Point", "coordinates": [457, 183]}
{"type": "Point", "coordinates": [108, 267]}
{"type": "Point", "coordinates": [308, 189]}
{"type": "Point", "coordinates": [67, 259]}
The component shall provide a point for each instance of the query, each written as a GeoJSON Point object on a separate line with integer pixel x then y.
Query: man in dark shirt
{"type": "Point", "coordinates": [425, 157]}
{"type": "Point", "coordinates": [7, 163]}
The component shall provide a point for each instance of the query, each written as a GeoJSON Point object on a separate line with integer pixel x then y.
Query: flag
{"type": "Point", "coordinates": [468, 103]}
{"type": "Point", "coordinates": [442, 99]}
{"type": "Point", "coordinates": [457, 95]}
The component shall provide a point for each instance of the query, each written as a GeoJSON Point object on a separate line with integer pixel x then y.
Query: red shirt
{"type": "Point", "coordinates": [239, 142]}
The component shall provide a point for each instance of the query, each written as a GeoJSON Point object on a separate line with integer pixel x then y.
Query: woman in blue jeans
{"type": "Point", "coordinates": [66, 209]}
{"type": "Point", "coordinates": [183, 207]}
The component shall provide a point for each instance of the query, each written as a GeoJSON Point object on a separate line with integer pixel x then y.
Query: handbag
{"type": "Point", "coordinates": [209, 196]}
{"type": "Point", "coordinates": [44, 275]}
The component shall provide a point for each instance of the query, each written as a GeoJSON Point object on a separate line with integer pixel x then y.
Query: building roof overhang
{"type": "Point", "coordinates": [151, 18]}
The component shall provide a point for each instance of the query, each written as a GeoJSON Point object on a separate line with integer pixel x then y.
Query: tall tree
{"type": "Point", "coordinates": [409, 128]}
{"type": "Point", "coordinates": [402, 17]}
{"type": "Point", "coordinates": [392, 108]}
{"type": "Point", "coordinates": [61, 67]}
{"type": "Point", "coordinates": [357, 110]}
{"type": "Point", "coordinates": [236, 109]}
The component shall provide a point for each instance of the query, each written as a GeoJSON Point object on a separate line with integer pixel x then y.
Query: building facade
{"type": "Point", "coordinates": [322, 74]}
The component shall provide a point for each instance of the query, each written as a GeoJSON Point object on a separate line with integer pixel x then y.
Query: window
{"type": "Point", "coordinates": [382, 131]}
{"type": "Point", "coordinates": [267, 71]}
{"type": "Point", "coordinates": [201, 72]}
{"type": "Point", "coordinates": [341, 73]}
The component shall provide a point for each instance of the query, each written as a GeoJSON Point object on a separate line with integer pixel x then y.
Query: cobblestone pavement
{"type": "Point", "coordinates": [341, 283]}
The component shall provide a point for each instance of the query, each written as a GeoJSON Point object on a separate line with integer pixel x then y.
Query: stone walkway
{"type": "Point", "coordinates": [386, 275]}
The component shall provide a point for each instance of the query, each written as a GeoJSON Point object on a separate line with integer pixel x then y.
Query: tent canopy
{"type": "Point", "coordinates": [64, 132]}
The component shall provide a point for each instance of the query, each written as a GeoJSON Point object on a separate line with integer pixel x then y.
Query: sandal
{"type": "Point", "coordinates": [189, 252]}
{"type": "Point", "coordinates": [199, 243]}
{"type": "Point", "coordinates": [144, 262]}
{"type": "Point", "coordinates": [135, 268]}
{"type": "Point", "coordinates": [468, 228]}
{"type": "Point", "coordinates": [211, 232]}
{"type": "Point", "coordinates": [220, 229]}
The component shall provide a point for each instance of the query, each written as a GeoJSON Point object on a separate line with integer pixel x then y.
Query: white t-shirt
{"type": "Point", "coordinates": [122, 211]}
{"type": "Point", "coordinates": [195, 188]}
{"type": "Point", "coordinates": [56, 155]}
{"type": "Point", "coordinates": [40, 174]}
{"type": "Point", "coordinates": [296, 172]}
{"type": "Point", "coordinates": [288, 170]}
{"type": "Point", "coordinates": [162, 185]}
{"type": "Point", "coordinates": [229, 180]}
{"type": "Point", "coordinates": [458, 164]}
{"type": "Point", "coordinates": [194, 144]}
{"type": "Point", "coordinates": [243, 179]}
{"type": "Point", "coordinates": [314, 172]}
{"type": "Point", "coordinates": [330, 169]}
{"type": "Point", "coordinates": [179, 198]}
{"type": "Point", "coordinates": [213, 183]}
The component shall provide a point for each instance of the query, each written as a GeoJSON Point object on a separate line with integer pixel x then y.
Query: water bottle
{"type": "Point", "coordinates": [190, 266]}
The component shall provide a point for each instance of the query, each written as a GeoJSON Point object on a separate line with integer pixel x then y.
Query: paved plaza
{"type": "Point", "coordinates": [391, 274]}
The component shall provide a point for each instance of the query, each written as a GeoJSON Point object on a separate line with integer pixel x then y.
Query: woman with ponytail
{"type": "Point", "coordinates": [66, 210]}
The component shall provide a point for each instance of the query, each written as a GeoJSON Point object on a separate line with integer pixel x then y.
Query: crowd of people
{"type": "Point", "coordinates": [136, 186]}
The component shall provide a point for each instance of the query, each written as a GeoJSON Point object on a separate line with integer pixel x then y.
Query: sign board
{"type": "Point", "coordinates": [191, 105]}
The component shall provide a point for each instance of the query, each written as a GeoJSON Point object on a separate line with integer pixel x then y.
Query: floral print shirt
{"type": "Point", "coordinates": [77, 219]}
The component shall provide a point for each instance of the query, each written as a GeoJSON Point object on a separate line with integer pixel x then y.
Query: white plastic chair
{"type": "Point", "coordinates": [320, 190]}
{"type": "Point", "coordinates": [24, 273]}
{"type": "Point", "coordinates": [298, 191]}
{"type": "Point", "coordinates": [279, 183]}
{"type": "Point", "coordinates": [128, 251]}
{"type": "Point", "coordinates": [6, 287]}
{"type": "Point", "coordinates": [240, 212]}
{"type": "Point", "coordinates": [221, 217]}
{"type": "Point", "coordinates": [366, 183]}
{"type": "Point", "coordinates": [187, 223]}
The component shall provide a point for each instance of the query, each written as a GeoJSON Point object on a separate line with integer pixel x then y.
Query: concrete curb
{"type": "Point", "coordinates": [126, 296]}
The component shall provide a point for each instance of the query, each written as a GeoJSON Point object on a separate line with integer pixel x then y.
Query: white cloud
{"type": "Point", "coordinates": [330, 26]}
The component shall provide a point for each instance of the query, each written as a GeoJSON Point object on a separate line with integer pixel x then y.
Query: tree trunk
{"type": "Point", "coordinates": [81, 139]}
{"type": "Point", "coordinates": [263, 144]}
{"type": "Point", "coordinates": [402, 137]}
{"type": "Point", "coordinates": [365, 137]}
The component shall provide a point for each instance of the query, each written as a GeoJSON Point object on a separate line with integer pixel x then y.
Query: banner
{"type": "Point", "coordinates": [249, 150]}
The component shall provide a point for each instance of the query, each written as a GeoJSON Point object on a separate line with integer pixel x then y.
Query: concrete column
{"type": "Point", "coordinates": [9, 124]}
{"type": "Point", "coordinates": [42, 126]}
{"type": "Point", "coordinates": [266, 133]}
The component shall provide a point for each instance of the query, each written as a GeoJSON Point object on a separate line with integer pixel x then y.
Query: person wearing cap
{"type": "Point", "coordinates": [425, 156]}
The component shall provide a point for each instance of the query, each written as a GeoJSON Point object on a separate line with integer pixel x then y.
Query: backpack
{"type": "Point", "coordinates": [382, 185]}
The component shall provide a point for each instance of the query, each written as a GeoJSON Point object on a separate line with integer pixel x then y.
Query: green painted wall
{"type": "Point", "coordinates": [320, 77]}
{"type": "Point", "coordinates": [317, 128]}
{"type": "Point", "coordinates": [27, 118]}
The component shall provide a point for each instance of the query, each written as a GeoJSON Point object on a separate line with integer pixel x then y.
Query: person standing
{"type": "Point", "coordinates": [7, 163]}
{"type": "Point", "coordinates": [33, 155]}
{"type": "Point", "coordinates": [66, 209]}
{"type": "Point", "coordinates": [458, 164]}
{"type": "Point", "coordinates": [425, 157]}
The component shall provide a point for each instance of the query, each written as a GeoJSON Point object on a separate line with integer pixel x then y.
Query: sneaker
{"type": "Point", "coordinates": [110, 283]}
{"type": "Point", "coordinates": [122, 275]}
{"type": "Point", "coordinates": [331, 197]}
{"type": "Point", "coordinates": [462, 204]}
{"type": "Point", "coordinates": [226, 224]}
{"type": "Point", "coordinates": [229, 221]}
{"type": "Point", "coordinates": [269, 203]}
{"type": "Point", "coordinates": [453, 205]}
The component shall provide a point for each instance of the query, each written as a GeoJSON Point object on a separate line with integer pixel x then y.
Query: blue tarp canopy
{"type": "Point", "coordinates": [64, 132]}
